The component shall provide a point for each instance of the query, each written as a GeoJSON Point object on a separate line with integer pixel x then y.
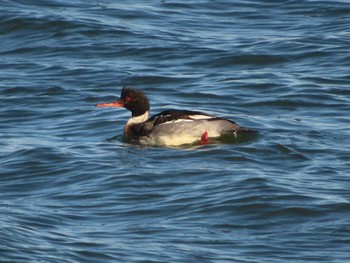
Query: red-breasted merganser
{"type": "Point", "coordinates": [170, 127]}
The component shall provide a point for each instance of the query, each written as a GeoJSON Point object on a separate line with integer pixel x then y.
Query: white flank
{"type": "Point", "coordinates": [200, 117]}
{"type": "Point", "coordinates": [172, 140]}
{"type": "Point", "coordinates": [191, 118]}
{"type": "Point", "coordinates": [176, 121]}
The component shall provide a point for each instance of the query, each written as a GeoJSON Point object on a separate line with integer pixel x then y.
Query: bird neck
{"type": "Point", "coordinates": [136, 120]}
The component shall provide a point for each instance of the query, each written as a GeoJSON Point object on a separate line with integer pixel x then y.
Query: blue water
{"type": "Point", "coordinates": [72, 190]}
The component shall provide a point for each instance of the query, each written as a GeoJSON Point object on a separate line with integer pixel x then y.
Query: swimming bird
{"type": "Point", "coordinates": [171, 127]}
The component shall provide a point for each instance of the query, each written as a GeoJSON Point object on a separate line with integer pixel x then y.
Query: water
{"type": "Point", "coordinates": [73, 191]}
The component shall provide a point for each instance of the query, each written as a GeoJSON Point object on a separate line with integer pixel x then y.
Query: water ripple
{"type": "Point", "coordinates": [73, 190]}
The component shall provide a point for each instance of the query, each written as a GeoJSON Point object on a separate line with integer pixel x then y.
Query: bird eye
{"type": "Point", "coordinates": [128, 99]}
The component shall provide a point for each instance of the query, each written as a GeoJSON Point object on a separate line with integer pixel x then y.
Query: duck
{"type": "Point", "coordinates": [173, 127]}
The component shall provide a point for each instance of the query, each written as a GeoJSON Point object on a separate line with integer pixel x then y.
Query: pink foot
{"type": "Point", "coordinates": [204, 139]}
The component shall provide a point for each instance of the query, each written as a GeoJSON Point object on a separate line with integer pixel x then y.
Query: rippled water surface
{"type": "Point", "coordinates": [73, 191]}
